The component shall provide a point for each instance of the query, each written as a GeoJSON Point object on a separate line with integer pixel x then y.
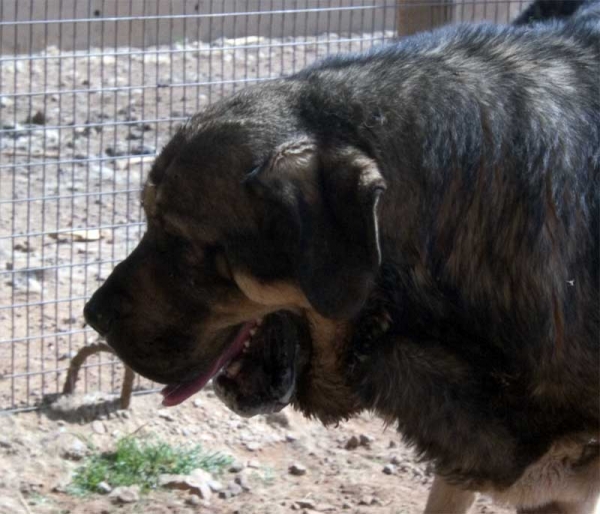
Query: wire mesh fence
{"type": "Point", "coordinates": [89, 92]}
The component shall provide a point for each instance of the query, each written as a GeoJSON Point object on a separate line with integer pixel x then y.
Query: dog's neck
{"type": "Point", "coordinates": [376, 319]}
{"type": "Point", "coordinates": [325, 393]}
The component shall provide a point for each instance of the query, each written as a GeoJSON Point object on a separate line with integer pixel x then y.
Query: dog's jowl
{"type": "Point", "coordinates": [414, 231]}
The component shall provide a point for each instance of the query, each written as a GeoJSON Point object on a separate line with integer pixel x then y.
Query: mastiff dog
{"type": "Point", "coordinates": [412, 231]}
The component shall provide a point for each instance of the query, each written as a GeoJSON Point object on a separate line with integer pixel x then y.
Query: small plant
{"type": "Point", "coordinates": [136, 462]}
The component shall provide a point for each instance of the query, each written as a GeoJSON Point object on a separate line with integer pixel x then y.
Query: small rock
{"type": "Point", "coordinates": [165, 414]}
{"type": "Point", "coordinates": [253, 446]}
{"type": "Point", "coordinates": [306, 504]}
{"type": "Point", "coordinates": [297, 469]}
{"type": "Point", "coordinates": [393, 444]}
{"type": "Point", "coordinates": [365, 440]}
{"type": "Point", "coordinates": [98, 427]}
{"type": "Point", "coordinates": [203, 491]}
{"type": "Point", "coordinates": [77, 450]}
{"type": "Point", "coordinates": [104, 488]}
{"type": "Point", "coordinates": [197, 402]}
{"type": "Point", "coordinates": [143, 150]}
{"type": "Point", "coordinates": [215, 485]}
{"type": "Point", "coordinates": [6, 102]}
{"type": "Point", "coordinates": [61, 487]}
{"type": "Point", "coordinates": [325, 507]}
{"type": "Point", "coordinates": [119, 150]}
{"type": "Point", "coordinates": [192, 483]}
{"type": "Point", "coordinates": [366, 500]}
{"type": "Point", "coordinates": [253, 464]}
{"type": "Point", "coordinates": [395, 460]}
{"type": "Point", "coordinates": [86, 236]}
{"type": "Point", "coordinates": [236, 467]}
{"type": "Point", "coordinates": [290, 438]}
{"type": "Point", "coordinates": [242, 480]}
{"type": "Point", "coordinates": [193, 500]}
{"type": "Point", "coordinates": [352, 443]}
{"type": "Point", "coordinates": [129, 494]}
{"type": "Point", "coordinates": [39, 118]}
{"type": "Point", "coordinates": [232, 490]}
{"type": "Point", "coordinates": [201, 474]}
{"type": "Point", "coordinates": [389, 469]}
{"type": "Point", "coordinates": [25, 247]}
{"type": "Point", "coordinates": [134, 135]}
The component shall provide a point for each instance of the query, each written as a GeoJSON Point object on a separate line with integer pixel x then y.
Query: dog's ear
{"type": "Point", "coordinates": [325, 201]}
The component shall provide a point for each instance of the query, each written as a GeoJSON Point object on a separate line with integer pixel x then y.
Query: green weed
{"type": "Point", "coordinates": [139, 462]}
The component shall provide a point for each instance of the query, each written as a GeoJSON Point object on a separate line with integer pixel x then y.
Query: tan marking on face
{"type": "Point", "coordinates": [324, 393]}
{"type": "Point", "coordinates": [236, 312]}
{"type": "Point", "coordinates": [279, 294]}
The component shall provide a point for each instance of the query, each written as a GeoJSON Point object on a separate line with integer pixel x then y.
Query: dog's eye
{"type": "Point", "coordinates": [222, 266]}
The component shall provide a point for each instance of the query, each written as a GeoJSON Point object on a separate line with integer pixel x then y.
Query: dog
{"type": "Point", "coordinates": [544, 10]}
{"type": "Point", "coordinates": [412, 231]}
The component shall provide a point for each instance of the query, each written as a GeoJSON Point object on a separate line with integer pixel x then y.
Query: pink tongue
{"type": "Point", "coordinates": [177, 393]}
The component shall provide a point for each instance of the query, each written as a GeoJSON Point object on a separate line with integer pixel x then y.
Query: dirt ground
{"type": "Point", "coordinates": [39, 452]}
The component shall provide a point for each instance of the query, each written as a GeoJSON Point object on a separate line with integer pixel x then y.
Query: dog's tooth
{"type": "Point", "coordinates": [252, 332]}
{"type": "Point", "coordinates": [247, 343]}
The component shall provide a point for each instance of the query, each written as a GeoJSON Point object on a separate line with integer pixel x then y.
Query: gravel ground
{"type": "Point", "coordinates": [282, 462]}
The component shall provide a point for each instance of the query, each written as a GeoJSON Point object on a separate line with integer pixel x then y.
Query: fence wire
{"type": "Point", "coordinates": [89, 92]}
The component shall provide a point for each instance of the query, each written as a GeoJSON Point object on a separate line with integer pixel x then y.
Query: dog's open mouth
{"type": "Point", "coordinates": [257, 373]}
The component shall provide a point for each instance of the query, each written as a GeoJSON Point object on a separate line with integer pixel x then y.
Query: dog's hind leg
{"type": "Point", "coordinates": [590, 506]}
{"type": "Point", "coordinates": [448, 499]}
{"type": "Point", "coordinates": [584, 507]}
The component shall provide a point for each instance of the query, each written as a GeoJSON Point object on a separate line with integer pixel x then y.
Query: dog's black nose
{"type": "Point", "coordinates": [98, 315]}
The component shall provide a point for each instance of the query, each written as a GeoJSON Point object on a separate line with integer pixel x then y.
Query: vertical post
{"type": "Point", "coordinates": [418, 15]}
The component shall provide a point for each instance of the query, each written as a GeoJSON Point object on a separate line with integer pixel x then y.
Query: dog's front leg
{"type": "Point", "coordinates": [448, 499]}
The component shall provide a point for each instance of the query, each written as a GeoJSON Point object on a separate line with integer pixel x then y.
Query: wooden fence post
{"type": "Point", "coordinates": [418, 15]}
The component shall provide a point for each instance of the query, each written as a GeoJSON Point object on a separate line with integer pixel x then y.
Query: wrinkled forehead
{"type": "Point", "coordinates": [197, 179]}
{"type": "Point", "coordinates": [200, 201]}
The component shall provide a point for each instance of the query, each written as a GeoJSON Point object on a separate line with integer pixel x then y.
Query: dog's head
{"type": "Point", "coordinates": [261, 244]}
